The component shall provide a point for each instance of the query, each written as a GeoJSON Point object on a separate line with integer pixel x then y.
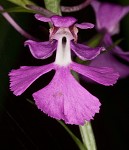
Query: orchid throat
{"type": "Point", "coordinates": [63, 53]}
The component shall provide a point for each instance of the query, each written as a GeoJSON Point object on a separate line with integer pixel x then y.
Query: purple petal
{"type": "Point", "coordinates": [109, 15]}
{"type": "Point", "coordinates": [42, 18]}
{"type": "Point", "coordinates": [41, 50]}
{"type": "Point", "coordinates": [103, 75]}
{"type": "Point", "coordinates": [117, 51]}
{"type": "Point", "coordinates": [22, 78]}
{"type": "Point", "coordinates": [60, 21]}
{"type": "Point", "coordinates": [64, 98]}
{"type": "Point", "coordinates": [85, 52]}
{"type": "Point", "coordinates": [107, 59]}
{"type": "Point", "coordinates": [85, 25]}
{"type": "Point", "coordinates": [121, 54]}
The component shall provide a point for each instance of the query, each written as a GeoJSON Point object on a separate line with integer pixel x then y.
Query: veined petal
{"type": "Point", "coordinates": [41, 50]}
{"type": "Point", "coordinates": [85, 52]}
{"type": "Point", "coordinates": [109, 15]}
{"type": "Point", "coordinates": [85, 25]}
{"type": "Point", "coordinates": [22, 78]}
{"type": "Point", "coordinates": [64, 98]}
{"type": "Point", "coordinates": [65, 22]}
{"type": "Point", "coordinates": [103, 75]}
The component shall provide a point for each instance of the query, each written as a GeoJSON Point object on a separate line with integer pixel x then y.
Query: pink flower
{"type": "Point", "coordinates": [63, 98]}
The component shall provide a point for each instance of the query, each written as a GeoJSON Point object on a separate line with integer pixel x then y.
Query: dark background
{"type": "Point", "coordinates": [23, 126]}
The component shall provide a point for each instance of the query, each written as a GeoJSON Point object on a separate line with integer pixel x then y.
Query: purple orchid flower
{"type": "Point", "coordinates": [63, 98]}
{"type": "Point", "coordinates": [108, 17]}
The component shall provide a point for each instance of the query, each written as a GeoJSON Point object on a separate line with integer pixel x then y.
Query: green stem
{"type": "Point", "coordinates": [76, 140]}
{"type": "Point", "coordinates": [53, 5]}
{"type": "Point", "coordinates": [88, 136]}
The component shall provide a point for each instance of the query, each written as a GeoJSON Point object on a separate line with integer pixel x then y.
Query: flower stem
{"type": "Point", "coordinates": [16, 26]}
{"type": "Point", "coordinates": [88, 136]}
{"type": "Point", "coordinates": [76, 140]}
{"type": "Point", "coordinates": [41, 10]}
{"type": "Point", "coordinates": [75, 8]}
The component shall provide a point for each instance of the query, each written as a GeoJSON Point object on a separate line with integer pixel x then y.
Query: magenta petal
{"type": "Point", "coordinates": [22, 78]}
{"type": "Point", "coordinates": [41, 50]}
{"type": "Point", "coordinates": [121, 54]}
{"type": "Point", "coordinates": [42, 18]}
{"type": "Point", "coordinates": [109, 15]}
{"type": "Point", "coordinates": [116, 51]}
{"type": "Point", "coordinates": [85, 52]}
{"type": "Point", "coordinates": [60, 21]}
{"type": "Point", "coordinates": [85, 25]}
{"type": "Point", "coordinates": [108, 60]}
{"type": "Point", "coordinates": [103, 75]}
{"type": "Point", "coordinates": [64, 98]}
